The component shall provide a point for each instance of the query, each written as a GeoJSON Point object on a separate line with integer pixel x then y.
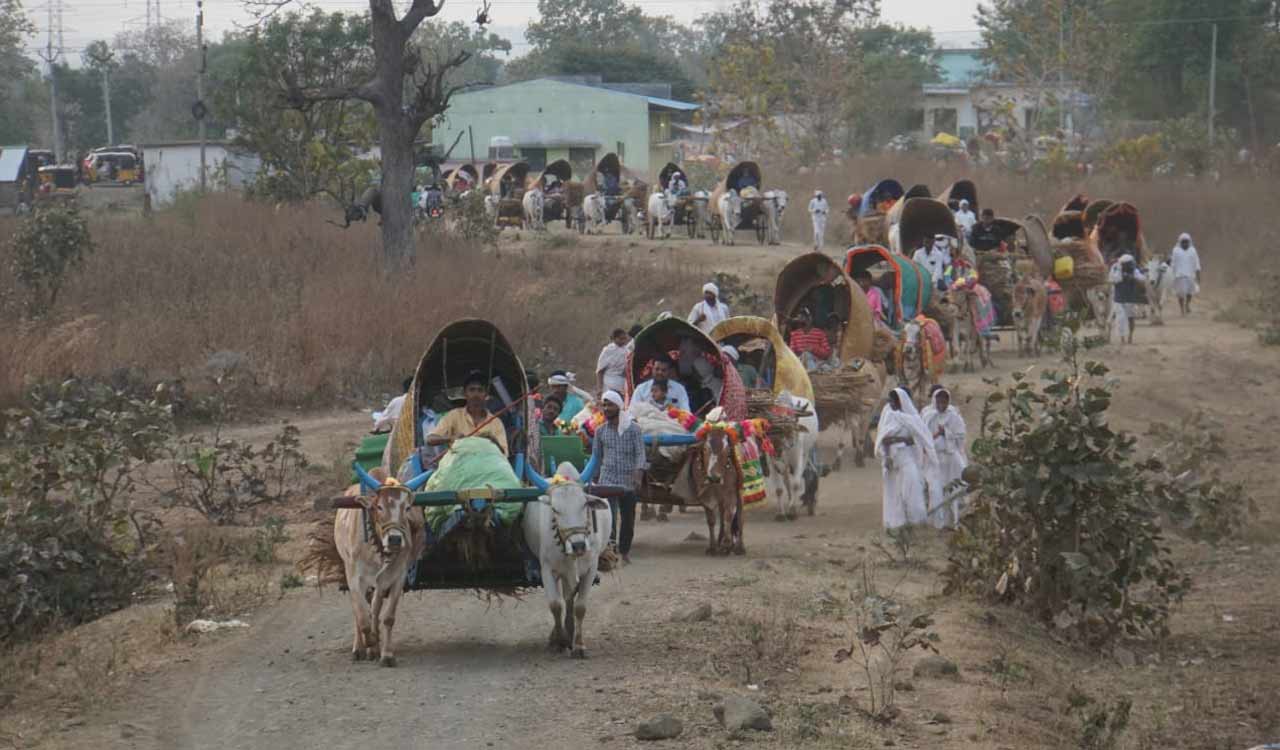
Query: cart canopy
{"type": "Point", "coordinates": [817, 281]}
{"type": "Point", "coordinates": [684, 343]}
{"type": "Point", "coordinates": [961, 190]}
{"type": "Point", "coordinates": [759, 342]}
{"type": "Point", "coordinates": [882, 192]}
{"type": "Point", "coordinates": [921, 219]}
{"type": "Point", "coordinates": [908, 284]}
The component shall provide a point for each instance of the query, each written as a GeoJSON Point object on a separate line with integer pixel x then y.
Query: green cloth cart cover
{"type": "Point", "coordinates": [474, 463]}
{"type": "Point", "coordinates": [556, 449]}
{"type": "Point", "coordinates": [369, 453]}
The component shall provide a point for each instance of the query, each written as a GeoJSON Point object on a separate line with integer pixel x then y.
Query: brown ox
{"type": "Point", "coordinates": [376, 544]}
{"type": "Point", "coordinates": [1030, 303]}
{"type": "Point", "coordinates": [717, 482]}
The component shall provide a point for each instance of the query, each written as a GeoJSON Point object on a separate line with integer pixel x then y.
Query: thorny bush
{"type": "Point", "coordinates": [71, 538]}
{"type": "Point", "coordinates": [1065, 520]}
{"type": "Point", "coordinates": [223, 478]}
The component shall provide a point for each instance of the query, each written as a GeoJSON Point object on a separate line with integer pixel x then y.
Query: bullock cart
{"type": "Point", "coordinates": [847, 386]}
{"type": "Point", "coordinates": [460, 180]}
{"type": "Point", "coordinates": [1079, 267]}
{"type": "Point", "coordinates": [685, 204]}
{"type": "Point", "coordinates": [918, 220]}
{"type": "Point", "coordinates": [621, 191]}
{"type": "Point", "coordinates": [744, 182]}
{"type": "Point", "coordinates": [961, 190]}
{"type": "Point", "coordinates": [906, 285]}
{"type": "Point", "coordinates": [472, 497]}
{"type": "Point", "coordinates": [872, 223]}
{"type": "Point", "coordinates": [506, 187]}
{"type": "Point", "coordinates": [561, 195]}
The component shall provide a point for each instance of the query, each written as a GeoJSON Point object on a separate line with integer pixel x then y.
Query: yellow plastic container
{"type": "Point", "coordinates": [1064, 267]}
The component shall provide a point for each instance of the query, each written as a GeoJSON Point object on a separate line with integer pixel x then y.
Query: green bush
{"type": "Point", "coordinates": [1195, 499]}
{"type": "Point", "coordinates": [48, 245]}
{"type": "Point", "coordinates": [1064, 518]}
{"type": "Point", "coordinates": [71, 539]}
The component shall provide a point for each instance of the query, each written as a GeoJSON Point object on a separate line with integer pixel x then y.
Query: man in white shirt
{"type": "Point", "coordinates": [706, 314]}
{"type": "Point", "coordinates": [662, 369]}
{"type": "Point", "coordinates": [1185, 262]}
{"type": "Point", "coordinates": [965, 218]}
{"type": "Point", "coordinates": [935, 259]}
{"type": "Point", "coordinates": [611, 365]}
{"type": "Point", "coordinates": [818, 210]}
{"type": "Point", "coordinates": [384, 420]}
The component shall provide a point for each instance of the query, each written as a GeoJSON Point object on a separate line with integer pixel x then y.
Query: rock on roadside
{"type": "Point", "coordinates": [700, 613]}
{"type": "Point", "coordinates": [937, 667]}
{"type": "Point", "coordinates": [735, 714]}
{"type": "Point", "coordinates": [660, 727]}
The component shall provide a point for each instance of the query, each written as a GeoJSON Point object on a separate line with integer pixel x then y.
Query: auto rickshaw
{"type": "Point", "coordinates": [57, 182]}
{"type": "Point", "coordinates": [113, 166]}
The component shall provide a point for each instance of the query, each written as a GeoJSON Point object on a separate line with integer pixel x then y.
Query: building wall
{"type": "Point", "coordinates": [553, 114]}
{"type": "Point", "coordinates": [173, 168]}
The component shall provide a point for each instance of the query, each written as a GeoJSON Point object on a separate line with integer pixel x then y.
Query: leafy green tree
{"type": "Point", "coordinates": [15, 28]}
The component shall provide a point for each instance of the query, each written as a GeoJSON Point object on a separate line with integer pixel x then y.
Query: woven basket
{"type": "Point", "coordinates": [1089, 268]}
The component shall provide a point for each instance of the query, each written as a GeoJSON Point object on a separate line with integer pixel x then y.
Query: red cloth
{"type": "Point", "coordinates": [734, 396]}
{"type": "Point", "coordinates": [813, 340]}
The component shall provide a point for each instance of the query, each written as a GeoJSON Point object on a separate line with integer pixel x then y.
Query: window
{"type": "Point", "coordinates": [621, 151]}
{"type": "Point", "coordinates": [945, 120]}
{"type": "Point", "coordinates": [536, 158]}
{"type": "Point", "coordinates": [583, 161]}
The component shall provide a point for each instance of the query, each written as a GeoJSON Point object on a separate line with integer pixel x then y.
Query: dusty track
{"type": "Point", "coordinates": [472, 675]}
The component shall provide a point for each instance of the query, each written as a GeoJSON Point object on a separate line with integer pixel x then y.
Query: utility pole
{"type": "Point", "coordinates": [1062, 66]}
{"type": "Point", "coordinates": [51, 57]}
{"type": "Point", "coordinates": [104, 62]}
{"type": "Point", "coordinates": [1213, 81]}
{"type": "Point", "coordinates": [199, 109]}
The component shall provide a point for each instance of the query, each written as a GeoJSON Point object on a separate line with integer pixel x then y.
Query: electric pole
{"type": "Point", "coordinates": [51, 57]}
{"type": "Point", "coordinates": [1213, 80]}
{"type": "Point", "coordinates": [104, 62]}
{"type": "Point", "coordinates": [199, 109]}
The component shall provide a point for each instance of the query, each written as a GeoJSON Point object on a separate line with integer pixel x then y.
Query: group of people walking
{"type": "Point", "coordinates": [922, 457]}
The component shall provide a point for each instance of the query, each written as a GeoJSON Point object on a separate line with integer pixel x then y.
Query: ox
{"type": "Point", "coordinates": [533, 203]}
{"type": "Point", "coordinates": [593, 210]}
{"type": "Point", "coordinates": [970, 334]}
{"type": "Point", "coordinates": [568, 529]}
{"type": "Point", "coordinates": [1159, 281]}
{"type": "Point", "coordinates": [659, 215]}
{"type": "Point", "coordinates": [915, 374]}
{"type": "Point", "coordinates": [775, 206]}
{"type": "Point", "coordinates": [730, 208]}
{"type": "Point", "coordinates": [792, 469]}
{"type": "Point", "coordinates": [1030, 305]}
{"type": "Point", "coordinates": [377, 543]}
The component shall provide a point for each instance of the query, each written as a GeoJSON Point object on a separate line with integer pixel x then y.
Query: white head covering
{"type": "Point", "coordinates": [732, 351]}
{"type": "Point", "coordinates": [710, 287]}
{"type": "Point", "coordinates": [1126, 258]}
{"type": "Point", "coordinates": [964, 203]}
{"type": "Point", "coordinates": [1187, 237]}
{"type": "Point", "coordinates": [716, 414]}
{"type": "Point", "coordinates": [565, 379]}
{"type": "Point", "coordinates": [624, 414]}
{"type": "Point", "coordinates": [907, 420]}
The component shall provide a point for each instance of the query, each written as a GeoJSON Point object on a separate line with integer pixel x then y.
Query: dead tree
{"type": "Point", "coordinates": [406, 90]}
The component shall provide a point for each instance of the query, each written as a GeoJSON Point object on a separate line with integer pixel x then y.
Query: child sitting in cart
{"type": "Point", "coordinates": [658, 394]}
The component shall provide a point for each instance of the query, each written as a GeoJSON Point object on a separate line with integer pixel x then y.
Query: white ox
{"type": "Point", "coordinates": [659, 215]}
{"type": "Point", "coordinates": [1159, 282]}
{"type": "Point", "coordinates": [568, 529]}
{"type": "Point", "coordinates": [730, 208]}
{"type": "Point", "coordinates": [377, 543]}
{"type": "Point", "coordinates": [787, 480]}
{"type": "Point", "coordinates": [533, 203]}
{"type": "Point", "coordinates": [775, 206]}
{"type": "Point", "coordinates": [593, 210]}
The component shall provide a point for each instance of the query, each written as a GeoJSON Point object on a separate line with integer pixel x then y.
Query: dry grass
{"type": "Point", "coordinates": [307, 304]}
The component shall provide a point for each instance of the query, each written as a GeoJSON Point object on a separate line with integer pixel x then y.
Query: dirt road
{"type": "Point", "coordinates": [475, 675]}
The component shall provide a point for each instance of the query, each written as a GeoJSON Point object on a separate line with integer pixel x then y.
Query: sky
{"type": "Point", "coordinates": [86, 20]}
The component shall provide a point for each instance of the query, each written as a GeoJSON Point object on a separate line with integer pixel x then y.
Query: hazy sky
{"type": "Point", "coordinates": [86, 20]}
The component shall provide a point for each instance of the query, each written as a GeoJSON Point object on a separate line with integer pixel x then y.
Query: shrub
{"type": "Point", "coordinates": [1064, 519]}
{"type": "Point", "coordinates": [739, 294]}
{"type": "Point", "coordinates": [472, 221]}
{"type": "Point", "coordinates": [1194, 498]}
{"type": "Point", "coordinates": [48, 245]}
{"type": "Point", "coordinates": [71, 541]}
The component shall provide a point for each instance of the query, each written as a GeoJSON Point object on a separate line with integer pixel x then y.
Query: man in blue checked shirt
{"type": "Point", "coordinates": [619, 450]}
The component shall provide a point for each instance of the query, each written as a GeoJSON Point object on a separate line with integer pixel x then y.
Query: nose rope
{"type": "Point", "coordinates": [564, 533]}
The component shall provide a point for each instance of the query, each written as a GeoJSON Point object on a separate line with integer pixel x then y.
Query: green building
{"type": "Point", "coordinates": [549, 119]}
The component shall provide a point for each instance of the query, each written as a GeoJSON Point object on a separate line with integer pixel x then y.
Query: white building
{"type": "Point", "coordinates": [170, 168]}
{"type": "Point", "coordinates": [967, 102]}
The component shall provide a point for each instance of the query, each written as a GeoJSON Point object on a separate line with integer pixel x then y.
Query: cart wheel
{"type": "Point", "coordinates": [762, 230]}
{"type": "Point", "coordinates": [692, 223]}
{"type": "Point", "coordinates": [715, 233]}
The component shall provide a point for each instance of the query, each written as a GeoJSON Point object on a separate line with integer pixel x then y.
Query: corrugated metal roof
{"type": "Point", "coordinates": [654, 101]}
{"type": "Point", "coordinates": [960, 66]}
{"type": "Point", "coordinates": [672, 104]}
{"type": "Point", "coordinates": [11, 158]}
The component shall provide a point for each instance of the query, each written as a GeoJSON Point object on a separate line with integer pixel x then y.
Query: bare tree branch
{"type": "Point", "coordinates": [420, 10]}
{"type": "Point", "coordinates": [431, 95]}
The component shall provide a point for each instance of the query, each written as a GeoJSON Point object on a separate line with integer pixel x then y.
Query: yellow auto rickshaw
{"type": "Point", "coordinates": [113, 166]}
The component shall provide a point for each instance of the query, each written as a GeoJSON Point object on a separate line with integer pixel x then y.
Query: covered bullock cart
{"type": "Point", "coordinates": [961, 190]}
{"type": "Point", "coordinates": [918, 221]}
{"type": "Point", "coordinates": [506, 186]}
{"type": "Point", "coordinates": [1024, 249]}
{"type": "Point", "coordinates": [472, 496]}
{"type": "Point", "coordinates": [906, 285]}
{"type": "Point", "coordinates": [690, 208]}
{"type": "Point", "coordinates": [561, 196]}
{"type": "Point", "coordinates": [745, 180]}
{"type": "Point", "coordinates": [457, 181]}
{"type": "Point", "coordinates": [847, 387]}
{"type": "Point", "coordinates": [872, 223]}
{"type": "Point", "coordinates": [1078, 267]}
{"type": "Point", "coordinates": [622, 191]}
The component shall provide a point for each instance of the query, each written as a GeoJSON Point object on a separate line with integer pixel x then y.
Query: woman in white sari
{"type": "Point", "coordinates": [905, 450]}
{"type": "Point", "coordinates": [948, 430]}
